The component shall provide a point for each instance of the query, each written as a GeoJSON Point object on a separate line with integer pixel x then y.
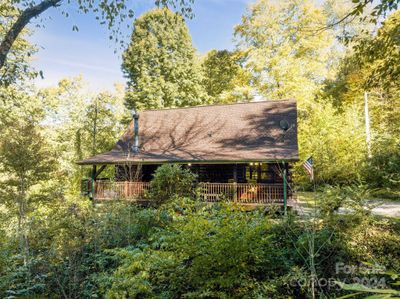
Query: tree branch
{"type": "Point", "coordinates": [26, 16]}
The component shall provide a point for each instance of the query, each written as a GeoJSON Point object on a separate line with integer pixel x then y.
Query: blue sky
{"type": "Point", "coordinates": [89, 52]}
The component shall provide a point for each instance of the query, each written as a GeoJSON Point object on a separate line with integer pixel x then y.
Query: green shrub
{"type": "Point", "coordinates": [213, 252]}
{"type": "Point", "coordinates": [383, 169]}
{"type": "Point", "coordinates": [171, 181]}
{"type": "Point", "coordinates": [353, 197]}
{"type": "Point", "coordinates": [186, 248]}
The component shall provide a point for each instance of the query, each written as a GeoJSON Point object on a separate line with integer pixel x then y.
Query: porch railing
{"type": "Point", "coordinates": [244, 193]}
{"type": "Point", "coordinates": [105, 190]}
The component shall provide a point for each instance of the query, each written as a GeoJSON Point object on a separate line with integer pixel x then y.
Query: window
{"type": "Point", "coordinates": [259, 173]}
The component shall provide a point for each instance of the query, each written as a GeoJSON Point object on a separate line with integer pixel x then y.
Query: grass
{"type": "Point", "coordinates": [309, 199]}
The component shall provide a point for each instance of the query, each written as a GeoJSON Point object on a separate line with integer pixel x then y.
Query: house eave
{"type": "Point", "coordinates": [123, 162]}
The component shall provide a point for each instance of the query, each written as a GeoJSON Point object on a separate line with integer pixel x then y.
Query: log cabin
{"type": "Point", "coordinates": [241, 152]}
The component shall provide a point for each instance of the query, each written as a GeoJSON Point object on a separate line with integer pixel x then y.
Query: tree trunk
{"type": "Point", "coordinates": [26, 16]}
{"type": "Point", "coordinates": [95, 127]}
{"type": "Point", "coordinates": [22, 229]}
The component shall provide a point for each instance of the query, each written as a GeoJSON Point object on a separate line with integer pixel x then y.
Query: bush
{"type": "Point", "coordinates": [213, 252]}
{"type": "Point", "coordinates": [186, 248]}
{"type": "Point", "coordinates": [353, 197]}
{"type": "Point", "coordinates": [383, 169]}
{"type": "Point", "coordinates": [171, 181]}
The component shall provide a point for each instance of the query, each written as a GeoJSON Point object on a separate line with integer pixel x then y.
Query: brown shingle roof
{"type": "Point", "coordinates": [217, 133]}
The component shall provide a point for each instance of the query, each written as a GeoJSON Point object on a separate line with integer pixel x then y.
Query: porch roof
{"type": "Point", "coordinates": [241, 132]}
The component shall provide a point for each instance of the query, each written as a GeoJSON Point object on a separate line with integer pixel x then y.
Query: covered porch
{"type": "Point", "coordinates": [242, 193]}
{"type": "Point", "coordinates": [255, 183]}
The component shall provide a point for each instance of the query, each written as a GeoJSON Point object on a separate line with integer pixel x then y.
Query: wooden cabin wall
{"type": "Point", "coordinates": [218, 173]}
{"type": "Point", "coordinates": [269, 173]}
{"type": "Point", "coordinates": [213, 173]}
{"type": "Point", "coordinates": [135, 173]}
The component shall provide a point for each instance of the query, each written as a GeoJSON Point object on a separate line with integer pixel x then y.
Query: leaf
{"type": "Point", "coordinates": [351, 295]}
{"type": "Point", "coordinates": [361, 288]}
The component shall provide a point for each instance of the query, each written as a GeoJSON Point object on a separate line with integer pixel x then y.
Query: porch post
{"type": "Point", "coordinates": [93, 181]}
{"type": "Point", "coordinates": [235, 189]}
{"type": "Point", "coordinates": [284, 189]}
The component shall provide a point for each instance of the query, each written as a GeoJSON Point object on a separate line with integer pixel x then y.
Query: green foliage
{"type": "Point", "coordinates": [353, 197]}
{"type": "Point", "coordinates": [222, 251]}
{"type": "Point", "coordinates": [382, 53]}
{"type": "Point", "coordinates": [17, 67]}
{"type": "Point", "coordinates": [335, 140]}
{"type": "Point", "coordinates": [383, 169]}
{"type": "Point", "coordinates": [215, 253]}
{"type": "Point", "coordinates": [225, 79]}
{"type": "Point", "coordinates": [24, 155]}
{"type": "Point", "coordinates": [347, 90]}
{"type": "Point", "coordinates": [81, 124]}
{"type": "Point", "coordinates": [69, 242]}
{"type": "Point", "coordinates": [171, 180]}
{"type": "Point", "coordinates": [361, 289]}
{"type": "Point", "coordinates": [285, 58]}
{"type": "Point", "coordinates": [26, 165]}
{"type": "Point", "coordinates": [186, 248]}
{"type": "Point", "coordinates": [160, 63]}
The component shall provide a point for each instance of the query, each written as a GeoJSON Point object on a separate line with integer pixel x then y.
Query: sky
{"type": "Point", "coordinates": [89, 52]}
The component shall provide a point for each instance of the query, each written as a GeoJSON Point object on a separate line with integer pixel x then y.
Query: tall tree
{"type": "Point", "coordinates": [112, 13]}
{"type": "Point", "coordinates": [160, 63]}
{"type": "Point", "coordinates": [26, 159]}
{"type": "Point", "coordinates": [282, 50]}
{"type": "Point", "coordinates": [81, 124]}
{"type": "Point", "coordinates": [335, 140]}
{"type": "Point", "coordinates": [382, 53]}
{"type": "Point", "coordinates": [225, 79]}
{"type": "Point", "coordinates": [373, 69]}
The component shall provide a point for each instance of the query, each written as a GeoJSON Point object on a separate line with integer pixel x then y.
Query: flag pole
{"type": "Point", "coordinates": [313, 174]}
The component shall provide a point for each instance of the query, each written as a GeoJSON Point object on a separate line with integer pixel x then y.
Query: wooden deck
{"type": "Point", "coordinates": [243, 193]}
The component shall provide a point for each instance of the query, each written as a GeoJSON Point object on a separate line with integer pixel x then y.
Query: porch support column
{"type": "Point", "coordinates": [93, 182]}
{"type": "Point", "coordinates": [284, 189]}
{"type": "Point", "coordinates": [235, 178]}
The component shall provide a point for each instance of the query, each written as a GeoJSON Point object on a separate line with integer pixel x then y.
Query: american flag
{"type": "Point", "coordinates": [309, 166]}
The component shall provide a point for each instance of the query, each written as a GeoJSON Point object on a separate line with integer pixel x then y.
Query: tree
{"type": "Point", "coordinates": [26, 158]}
{"type": "Point", "coordinates": [382, 54]}
{"type": "Point", "coordinates": [283, 54]}
{"type": "Point", "coordinates": [373, 68]}
{"type": "Point", "coordinates": [361, 7]}
{"type": "Point", "coordinates": [26, 161]}
{"type": "Point", "coordinates": [335, 140]}
{"type": "Point", "coordinates": [171, 181]}
{"type": "Point", "coordinates": [81, 124]}
{"type": "Point", "coordinates": [111, 13]}
{"type": "Point", "coordinates": [17, 66]}
{"type": "Point", "coordinates": [225, 79]}
{"type": "Point", "coordinates": [160, 63]}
